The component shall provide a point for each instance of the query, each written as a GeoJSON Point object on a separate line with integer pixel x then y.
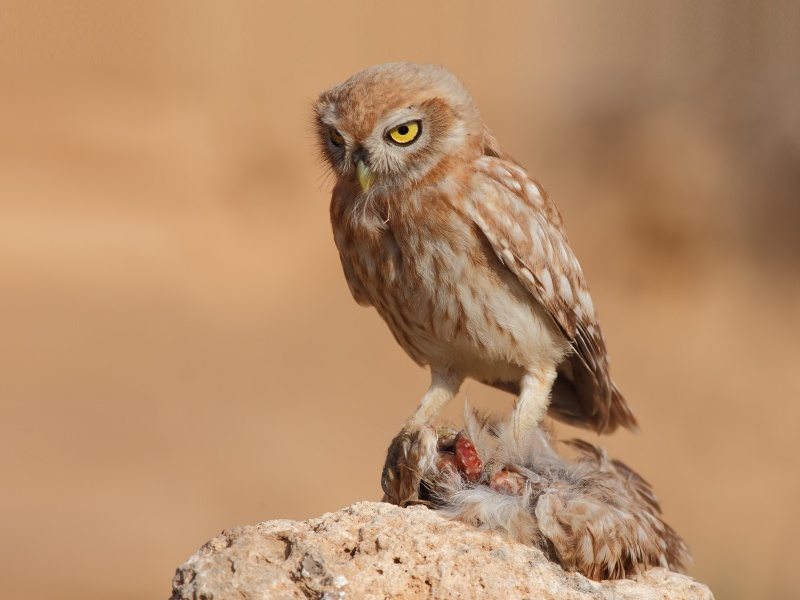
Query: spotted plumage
{"type": "Point", "coordinates": [462, 254]}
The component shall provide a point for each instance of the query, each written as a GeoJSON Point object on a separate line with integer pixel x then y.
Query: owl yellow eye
{"type": "Point", "coordinates": [336, 137]}
{"type": "Point", "coordinates": [406, 133]}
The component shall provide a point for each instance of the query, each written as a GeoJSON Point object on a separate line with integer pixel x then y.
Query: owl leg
{"type": "Point", "coordinates": [414, 450]}
{"type": "Point", "coordinates": [444, 387]}
{"type": "Point", "coordinates": [532, 403]}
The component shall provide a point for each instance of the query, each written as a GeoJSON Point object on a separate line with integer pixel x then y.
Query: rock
{"type": "Point", "coordinates": [376, 550]}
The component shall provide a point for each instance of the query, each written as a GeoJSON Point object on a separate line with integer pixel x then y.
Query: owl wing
{"type": "Point", "coordinates": [340, 237]}
{"type": "Point", "coordinates": [357, 288]}
{"type": "Point", "coordinates": [524, 228]}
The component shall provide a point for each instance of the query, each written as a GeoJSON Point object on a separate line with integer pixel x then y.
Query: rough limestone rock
{"type": "Point", "coordinates": [376, 550]}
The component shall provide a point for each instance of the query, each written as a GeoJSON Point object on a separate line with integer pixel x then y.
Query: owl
{"type": "Point", "coordinates": [463, 255]}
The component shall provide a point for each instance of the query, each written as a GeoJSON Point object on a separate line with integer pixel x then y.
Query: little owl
{"type": "Point", "coordinates": [464, 256]}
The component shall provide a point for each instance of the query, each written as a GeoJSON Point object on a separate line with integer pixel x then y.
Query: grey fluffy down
{"type": "Point", "coordinates": [591, 514]}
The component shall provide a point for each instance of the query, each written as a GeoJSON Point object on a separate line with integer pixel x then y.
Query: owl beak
{"type": "Point", "coordinates": [365, 176]}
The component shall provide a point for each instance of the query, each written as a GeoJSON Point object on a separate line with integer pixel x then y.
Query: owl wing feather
{"type": "Point", "coordinates": [525, 230]}
{"type": "Point", "coordinates": [340, 233]}
{"type": "Point", "coordinates": [357, 289]}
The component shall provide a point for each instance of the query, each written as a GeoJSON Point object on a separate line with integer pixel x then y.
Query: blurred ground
{"type": "Point", "coordinates": [179, 351]}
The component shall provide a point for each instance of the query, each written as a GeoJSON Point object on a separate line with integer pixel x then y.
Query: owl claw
{"type": "Point", "coordinates": [411, 455]}
{"type": "Point", "coordinates": [417, 455]}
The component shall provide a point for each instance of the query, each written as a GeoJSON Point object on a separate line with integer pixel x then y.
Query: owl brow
{"type": "Point", "coordinates": [401, 116]}
{"type": "Point", "coordinates": [327, 113]}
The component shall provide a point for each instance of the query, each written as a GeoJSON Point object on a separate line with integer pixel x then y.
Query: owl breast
{"type": "Point", "coordinates": [438, 285]}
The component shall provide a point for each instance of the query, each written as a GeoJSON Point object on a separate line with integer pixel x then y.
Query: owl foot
{"type": "Point", "coordinates": [416, 456]}
{"type": "Point", "coordinates": [411, 455]}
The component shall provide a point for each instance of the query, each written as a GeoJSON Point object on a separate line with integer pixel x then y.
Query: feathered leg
{"type": "Point", "coordinates": [532, 403]}
{"type": "Point", "coordinates": [414, 451]}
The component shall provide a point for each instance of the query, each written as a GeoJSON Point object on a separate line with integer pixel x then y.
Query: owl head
{"type": "Point", "coordinates": [395, 125]}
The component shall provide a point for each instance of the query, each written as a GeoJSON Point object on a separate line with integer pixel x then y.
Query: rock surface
{"type": "Point", "coordinates": [375, 550]}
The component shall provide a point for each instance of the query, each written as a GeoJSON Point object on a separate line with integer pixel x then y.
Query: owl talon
{"type": "Point", "coordinates": [411, 455]}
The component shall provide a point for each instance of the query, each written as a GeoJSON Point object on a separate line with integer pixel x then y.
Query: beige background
{"type": "Point", "coordinates": [178, 349]}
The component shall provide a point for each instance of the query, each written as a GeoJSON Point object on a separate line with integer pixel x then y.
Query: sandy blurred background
{"type": "Point", "coordinates": [179, 352]}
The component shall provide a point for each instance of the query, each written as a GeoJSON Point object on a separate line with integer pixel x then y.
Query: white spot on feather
{"type": "Point", "coordinates": [519, 173]}
{"type": "Point", "coordinates": [482, 161]}
{"type": "Point", "coordinates": [640, 532]}
{"type": "Point", "coordinates": [586, 301]}
{"type": "Point", "coordinates": [547, 282]}
{"type": "Point", "coordinates": [562, 251]}
{"type": "Point", "coordinates": [565, 288]}
{"type": "Point", "coordinates": [509, 258]}
{"type": "Point", "coordinates": [533, 193]}
{"type": "Point", "coordinates": [502, 172]}
{"type": "Point", "coordinates": [528, 275]}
